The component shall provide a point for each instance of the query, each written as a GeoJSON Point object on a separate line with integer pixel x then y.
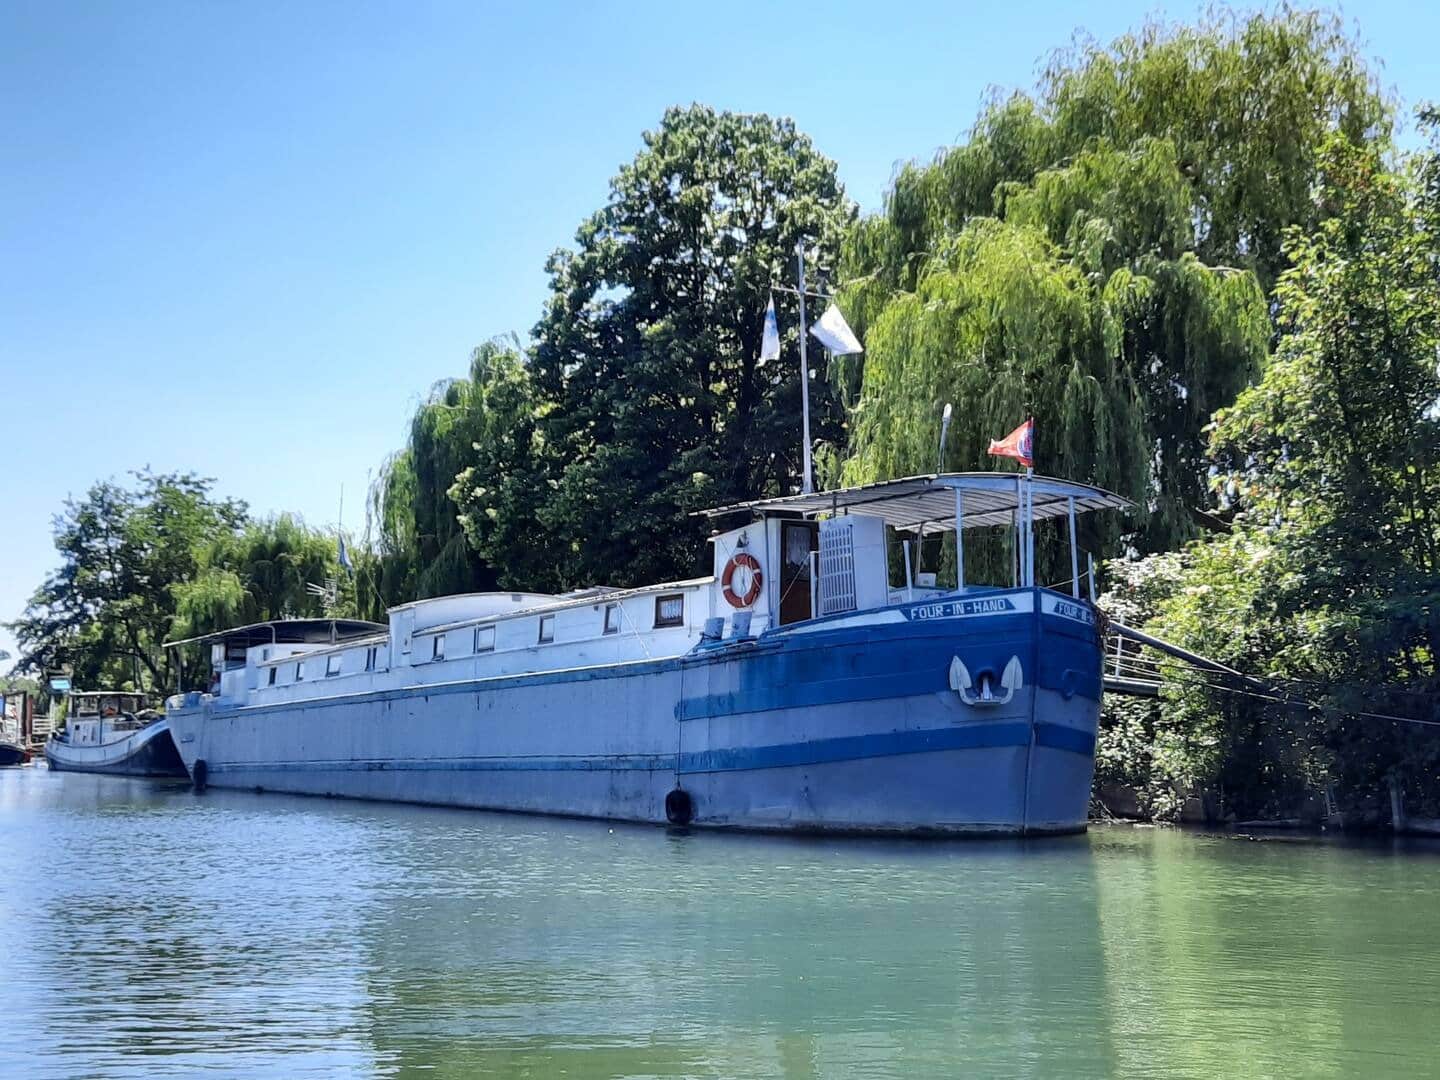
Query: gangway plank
{"type": "Point", "coordinates": [1129, 672]}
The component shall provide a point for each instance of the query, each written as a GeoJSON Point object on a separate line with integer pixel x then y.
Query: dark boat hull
{"type": "Point", "coordinates": [149, 752]}
{"type": "Point", "coordinates": [10, 754]}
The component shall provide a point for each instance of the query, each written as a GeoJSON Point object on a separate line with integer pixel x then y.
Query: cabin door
{"type": "Point", "coordinates": [797, 540]}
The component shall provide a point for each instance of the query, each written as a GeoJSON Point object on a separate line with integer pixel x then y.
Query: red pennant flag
{"type": "Point", "coordinates": [1019, 444]}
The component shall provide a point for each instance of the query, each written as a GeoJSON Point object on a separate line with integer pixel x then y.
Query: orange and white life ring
{"type": "Point", "coordinates": [751, 594]}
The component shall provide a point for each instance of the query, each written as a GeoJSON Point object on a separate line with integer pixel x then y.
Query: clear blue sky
{"type": "Point", "coordinates": [243, 239]}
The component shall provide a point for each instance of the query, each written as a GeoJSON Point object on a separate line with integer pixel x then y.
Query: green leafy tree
{"type": "Point", "coordinates": [646, 357]}
{"type": "Point", "coordinates": [1329, 582]}
{"type": "Point", "coordinates": [501, 490]}
{"type": "Point", "coordinates": [107, 609]}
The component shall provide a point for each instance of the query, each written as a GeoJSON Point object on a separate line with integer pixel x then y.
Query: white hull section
{"type": "Point", "coordinates": [147, 751]}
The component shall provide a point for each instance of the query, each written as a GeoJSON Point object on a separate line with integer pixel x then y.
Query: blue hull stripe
{"type": "Point", "coordinates": [1060, 737]}
{"type": "Point", "coordinates": [730, 759]}
{"type": "Point", "coordinates": [805, 695]}
{"type": "Point", "coordinates": [855, 747]}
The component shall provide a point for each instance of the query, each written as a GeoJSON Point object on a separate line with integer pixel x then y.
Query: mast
{"type": "Point", "coordinates": [808, 484]}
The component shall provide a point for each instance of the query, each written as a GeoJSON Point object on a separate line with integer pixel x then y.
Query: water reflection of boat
{"type": "Point", "coordinates": [113, 733]}
{"type": "Point", "coordinates": [801, 687]}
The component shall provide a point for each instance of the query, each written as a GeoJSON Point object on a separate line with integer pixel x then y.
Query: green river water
{"type": "Point", "coordinates": [147, 931]}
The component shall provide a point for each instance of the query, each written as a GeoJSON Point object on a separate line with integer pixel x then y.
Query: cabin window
{"type": "Point", "coordinates": [271, 680]}
{"type": "Point", "coordinates": [332, 666]}
{"type": "Point", "coordinates": [370, 659]}
{"type": "Point", "coordinates": [612, 618]}
{"type": "Point", "coordinates": [547, 629]}
{"type": "Point", "coordinates": [299, 672]}
{"type": "Point", "coordinates": [670, 610]}
{"type": "Point", "coordinates": [484, 639]}
{"type": "Point", "coordinates": [437, 647]}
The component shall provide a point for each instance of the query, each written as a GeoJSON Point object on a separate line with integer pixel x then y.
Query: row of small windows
{"type": "Point", "coordinates": [669, 611]}
{"type": "Point", "coordinates": [333, 666]}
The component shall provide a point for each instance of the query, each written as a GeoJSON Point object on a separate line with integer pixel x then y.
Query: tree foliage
{"type": "Point", "coordinates": [269, 569]}
{"type": "Point", "coordinates": [158, 559]}
{"type": "Point", "coordinates": [421, 548]}
{"type": "Point", "coordinates": [501, 491]}
{"type": "Point", "coordinates": [106, 610]}
{"type": "Point", "coordinates": [1329, 583]}
{"type": "Point", "coordinates": [645, 363]}
{"type": "Point", "coordinates": [1097, 255]}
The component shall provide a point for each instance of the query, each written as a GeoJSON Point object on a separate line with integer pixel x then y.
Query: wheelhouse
{"type": "Point", "coordinates": [854, 549]}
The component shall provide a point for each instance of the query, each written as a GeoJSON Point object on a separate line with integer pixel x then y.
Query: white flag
{"type": "Point", "coordinates": [835, 333]}
{"type": "Point", "coordinates": [770, 343]}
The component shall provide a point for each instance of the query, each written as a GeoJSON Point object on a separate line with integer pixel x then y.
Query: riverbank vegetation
{"type": "Point", "coordinates": [1195, 255]}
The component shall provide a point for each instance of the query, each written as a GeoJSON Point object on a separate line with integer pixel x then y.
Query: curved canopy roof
{"type": "Point", "coordinates": [929, 501]}
{"type": "Point", "coordinates": [288, 631]}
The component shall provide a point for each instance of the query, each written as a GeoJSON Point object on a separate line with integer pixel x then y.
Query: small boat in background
{"type": "Point", "coordinates": [113, 733]}
{"type": "Point", "coordinates": [14, 711]}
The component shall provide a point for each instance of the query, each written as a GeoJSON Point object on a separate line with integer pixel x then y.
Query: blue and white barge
{"type": "Point", "coordinates": [817, 680]}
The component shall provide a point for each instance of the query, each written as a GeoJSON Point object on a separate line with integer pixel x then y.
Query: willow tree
{"type": "Point", "coordinates": [275, 568]}
{"type": "Point", "coordinates": [1098, 255]}
{"type": "Point", "coordinates": [1082, 303]}
{"type": "Point", "coordinates": [420, 548]}
{"type": "Point", "coordinates": [1245, 101]}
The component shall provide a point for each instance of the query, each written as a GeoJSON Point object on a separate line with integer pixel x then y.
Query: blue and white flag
{"type": "Point", "coordinates": [345, 555]}
{"type": "Point", "coordinates": [770, 343]}
{"type": "Point", "coordinates": [835, 333]}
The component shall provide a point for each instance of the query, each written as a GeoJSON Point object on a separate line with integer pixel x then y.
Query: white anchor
{"type": "Point", "coordinates": [1012, 679]}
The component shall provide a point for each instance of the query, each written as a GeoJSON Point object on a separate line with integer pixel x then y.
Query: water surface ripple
{"type": "Point", "coordinates": [146, 931]}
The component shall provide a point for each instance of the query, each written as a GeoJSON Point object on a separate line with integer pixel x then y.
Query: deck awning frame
{"type": "Point", "coordinates": [287, 632]}
{"type": "Point", "coordinates": [927, 503]}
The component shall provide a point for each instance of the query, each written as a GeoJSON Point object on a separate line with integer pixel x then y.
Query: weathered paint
{"type": "Point", "coordinates": [147, 751]}
{"type": "Point", "coordinates": [845, 724]}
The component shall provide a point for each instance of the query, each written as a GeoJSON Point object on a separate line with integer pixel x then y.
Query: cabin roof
{"type": "Point", "coordinates": [929, 501]}
{"type": "Point", "coordinates": [592, 596]}
{"type": "Point", "coordinates": [288, 631]}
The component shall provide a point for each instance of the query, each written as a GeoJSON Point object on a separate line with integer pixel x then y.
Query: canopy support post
{"type": "Point", "coordinates": [1022, 530]}
{"type": "Point", "coordinates": [1074, 555]}
{"type": "Point", "coordinates": [814, 584]}
{"type": "Point", "coordinates": [959, 539]}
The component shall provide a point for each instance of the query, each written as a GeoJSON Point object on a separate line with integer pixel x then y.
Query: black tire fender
{"type": "Point", "coordinates": [679, 807]}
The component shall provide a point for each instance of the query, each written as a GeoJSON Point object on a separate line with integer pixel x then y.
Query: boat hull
{"type": "Point", "coordinates": [149, 751]}
{"type": "Point", "coordinates": [11, 754]}
{"type": "Point", "coordinates": [848, 725]}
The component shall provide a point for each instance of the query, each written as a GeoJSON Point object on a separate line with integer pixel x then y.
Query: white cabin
{"type": "Point", "coordinates": [793, 559]}
{"type": "Point", "coordinates": [94, 717]}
